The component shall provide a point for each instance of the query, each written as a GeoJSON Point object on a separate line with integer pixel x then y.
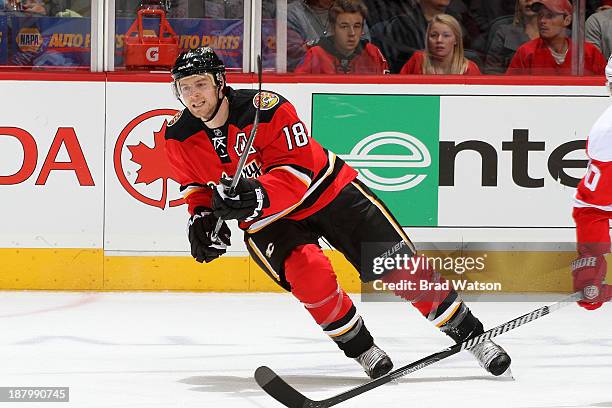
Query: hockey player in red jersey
{"type": "Point", "coordinates": [291, 193]}
{"type": "Point", "coordinates": [593, 212]}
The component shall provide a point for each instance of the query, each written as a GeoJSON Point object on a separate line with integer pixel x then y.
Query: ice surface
{"type": "Point", "coordinates": [200, 350]}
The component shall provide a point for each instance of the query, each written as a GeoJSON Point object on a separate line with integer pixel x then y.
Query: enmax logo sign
{"type": "Point", "coordinates": [396, 155]}
{"type": "Point", "coordinates": [412, 153]}
{"type": "Point", "coordinates": [401, 158]}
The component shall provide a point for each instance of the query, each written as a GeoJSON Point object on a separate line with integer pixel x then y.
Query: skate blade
{"type": "Point", "coordinates": [507, 375]}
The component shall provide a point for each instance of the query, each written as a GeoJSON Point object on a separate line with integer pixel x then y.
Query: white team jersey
{"type": "Point", "coordinates": [599, 144]}
{"type": "Point", "coordinates": [595, 189]}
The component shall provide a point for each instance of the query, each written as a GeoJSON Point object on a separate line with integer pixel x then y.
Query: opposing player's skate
{"type": "Point", "coordinates": [491, 357]}
{"type": "Point", "coordinates": [375, 362]}
{"type": "Point", "coordinates": [462, 326]}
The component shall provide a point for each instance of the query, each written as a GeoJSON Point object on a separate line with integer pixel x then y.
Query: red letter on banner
{"type": "Point", "coordinates": [77, 163]}
{"type": "Point", "coordinates": [30, 155]}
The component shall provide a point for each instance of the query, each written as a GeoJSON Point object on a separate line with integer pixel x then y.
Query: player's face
{"type": "Point", "coordinates": [200, 94]}
{"type": "Point", "coordinates": [347, 32]}
{"type": "Point", "coordinates": [551, 24]}
{"type": "Point", "coordinates": [441, 41]}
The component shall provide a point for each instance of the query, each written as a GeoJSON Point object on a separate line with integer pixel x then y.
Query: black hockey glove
{"type": "Point", "coordinates": [250, 199]}
{"type": "Point", "coordinates": [200, 228]}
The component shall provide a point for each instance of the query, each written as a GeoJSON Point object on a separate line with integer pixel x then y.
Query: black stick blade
{"type": "Point", "coordinates": [278, 389]}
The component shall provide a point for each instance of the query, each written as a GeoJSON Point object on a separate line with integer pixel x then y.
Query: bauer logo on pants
{"type": "Point", "coordinates": [393, 143]}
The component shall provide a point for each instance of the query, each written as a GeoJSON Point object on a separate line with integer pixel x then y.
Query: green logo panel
{"type": "Point", "coordinates": [392, 141]}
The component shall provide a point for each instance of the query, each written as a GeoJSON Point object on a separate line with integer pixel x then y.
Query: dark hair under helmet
{"type": "Point", "coordinates": [199, 61]}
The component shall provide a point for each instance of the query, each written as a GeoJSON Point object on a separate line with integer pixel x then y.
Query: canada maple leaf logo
{"type": "Point", "coordinates": [153, 161]}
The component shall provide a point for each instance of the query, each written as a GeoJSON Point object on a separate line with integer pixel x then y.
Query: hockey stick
{"type": "Point", "coordinates": [245, 153]}
{"type": "Point", "coordinates": [284, 393]}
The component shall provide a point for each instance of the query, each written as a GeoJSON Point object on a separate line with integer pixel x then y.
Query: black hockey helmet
{"type": "Point", "coordinates": [201, 60]}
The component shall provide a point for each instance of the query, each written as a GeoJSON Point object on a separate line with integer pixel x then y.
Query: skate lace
{"type": "Point", "coordinates": [485, 352]}
{"type": "Point", "coordinates": [370, 357]}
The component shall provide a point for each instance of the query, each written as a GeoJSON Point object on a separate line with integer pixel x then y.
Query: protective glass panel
{"type": "Point", "coordinates": [449, 37]}
{"type": "Point", "coordinates": [151, 33]}
{"type": "Point", "coordinates": [45, 34]}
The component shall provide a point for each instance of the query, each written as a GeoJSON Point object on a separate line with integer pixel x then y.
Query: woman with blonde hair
{"type": "Point", "coordinates": [443, 53]}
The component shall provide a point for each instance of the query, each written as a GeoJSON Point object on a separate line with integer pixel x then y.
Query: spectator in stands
{"type": "Point", "coordinates": [384, 10]}
{"type": "Point", "coordinates": [216, 9]}
{"type": "Point", "coordinates": [443, 53]}
{"type": "Point", "coordinates": [487, 12]}
{"type": "Point", "coordinates": [474, 32]}
{"type": "Point", "coordinates": [400, 37]}
{"type": "Point", "coordinates": [307, 21]}
{"type": "Point", "coordinates": [598, 28]}
{"type": "Point", "coordinates": [10, 5]}
{"type": "Point", "coordinates": [551, 53]}
{"type": "Point", "coordinates": [71, 8]}
{"type": "Point", "coordinates": [595, 6]}
{"type": "Point", "coordinates": [344, 51]}
{"type": "Point", "coordinates": [508, 38]}
{"type": "Point", "coordinates": [26, 6]}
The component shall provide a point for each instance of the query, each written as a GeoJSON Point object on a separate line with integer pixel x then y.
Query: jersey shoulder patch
{"type": "Point", "coordinates": [182, 126]}
{"type": "Point", "coordinates": [268, 100]}
{"type": "Point", "coordinates": [175, 118]}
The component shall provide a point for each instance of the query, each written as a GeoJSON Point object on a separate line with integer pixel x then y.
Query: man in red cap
{"type": "Point", "coordinates": [551, 53]}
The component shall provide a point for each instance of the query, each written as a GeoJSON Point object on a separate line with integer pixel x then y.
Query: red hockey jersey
{"type": "Point", "coordinates": [299, 175]}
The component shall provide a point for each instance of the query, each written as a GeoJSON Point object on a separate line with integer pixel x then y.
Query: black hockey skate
{"type": "Point", "coordinates": [375, 362]}
{"type": "Point", "coordinates": [462, 326]}
{"type": "Point", "coordinates": [491, 357]}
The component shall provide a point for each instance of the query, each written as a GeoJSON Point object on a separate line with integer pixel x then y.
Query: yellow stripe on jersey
{"type": "Point", "coordinates": [388, 216]}
{"type": "Point", "coordinates": [192, 189]}
{"type": "Point", "coordinates": [297, 174]}
{"type": "Point", "coordinates": [258, 225]}
{"type": "Point", "coordinates": [263, 259]}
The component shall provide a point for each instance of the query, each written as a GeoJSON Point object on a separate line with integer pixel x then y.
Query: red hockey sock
{"type": "Point", "coordinates": [313, 282]}
{"type": "Point", "coordinates": [429, 292]}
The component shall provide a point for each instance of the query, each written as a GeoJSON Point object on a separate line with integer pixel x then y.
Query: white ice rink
{"type": "Point", "coordinates": [200, 350]}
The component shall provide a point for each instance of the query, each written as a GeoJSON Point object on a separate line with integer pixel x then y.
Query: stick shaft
{"type": "Point", "coordinates": [245, 152]}
{"type": "Point", "coordinates": [277, 388]}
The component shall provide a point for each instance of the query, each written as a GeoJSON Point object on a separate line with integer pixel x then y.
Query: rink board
{"type": "Point", "coordinates": [87, 205]}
